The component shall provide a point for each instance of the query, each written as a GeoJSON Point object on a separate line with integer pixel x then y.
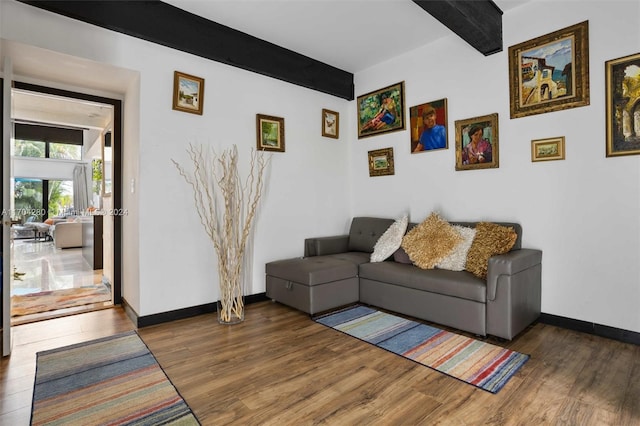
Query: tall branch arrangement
{"type": "Point", "coordinates": [227, 206]}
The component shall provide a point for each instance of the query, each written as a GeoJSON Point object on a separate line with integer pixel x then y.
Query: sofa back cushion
{"type": "Point", "coordinates": [365, 232]}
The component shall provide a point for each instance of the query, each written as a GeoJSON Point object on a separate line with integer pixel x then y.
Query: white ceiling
{"type": "Point", "coordinates": [349, 34]}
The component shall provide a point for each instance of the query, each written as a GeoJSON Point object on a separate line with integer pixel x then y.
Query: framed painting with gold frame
{"type": "Point", "coordinates": [623, 105]}
{"type": "Point", "coordinates": [547, 149]}
{"type": "Point", "coordinates": [188, 93]}
{"type": "Point", "coordinates": [269, 133]}
{"type": "Point", "coordinates": [381, 111]}
{"type": "Point", "coordinates": [477, 142]}
{"type": "Point", "coordinates": [330, 124]}
{"type": "Point", "coordinates": [550, 72]}
{"type": "Point", "coordinates": [381, 162]}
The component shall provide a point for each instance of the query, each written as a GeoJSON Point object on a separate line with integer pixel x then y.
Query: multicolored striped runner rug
{"type": "Point", "coordinates": [110, 381]}
{"type": "Point", "coordinates": [481, 364]}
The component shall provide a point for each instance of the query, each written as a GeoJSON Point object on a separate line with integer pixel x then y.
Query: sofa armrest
{"type": "Point", "coordinates": [509, 264]}
{"type": "Point", "coordinates": [321, 246]}
{"type": "Point", "coordinates": [514, 292]}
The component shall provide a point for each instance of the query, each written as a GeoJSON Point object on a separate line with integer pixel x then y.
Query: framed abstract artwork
{"type": "Point", "coordinates": [547, 149]}
{"type": "Point", "coordinates": [188, 93]}
{"type": "Point", "coordinates": [550, 73]}
{"type": "Point", "coordinates": [477, 142]}
{"type": "Point", "coordinates": [330, 124]}
{"type": "Point", "coordinates": [269, 133]}
{"type": "Point", "coordinates": [381, 111]}
{"type": "Point", "coordinates": [623, 105]}
{"type": "Point", "coordinates": [381, 162]}
{"type": "Point", "coordinates": [428, 123]}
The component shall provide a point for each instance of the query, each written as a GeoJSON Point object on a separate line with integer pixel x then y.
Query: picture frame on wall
{"type": "Point", "coordinates": [547, 149]}
{"type": "Point", "coordinates": [330, 124]}
{"type": "Point", "coordinates": [188, 93]}
{"type": "Point", "coordinates": [428, 123]}
{"type": "Point", "coordinates": [381, 162]}
{"type": "Point", "coordinates": [381, 111]}
{"type": "Point", "coordinates": [477, 142]}
{"type": "Point", "coordinates": [550, 73]}
{"type": "Point", "coordinates": [269, 133]}
{"type": "Point", "coordinates": [623, 105]}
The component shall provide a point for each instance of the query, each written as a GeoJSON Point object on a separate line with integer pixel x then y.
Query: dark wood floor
{"type": "Point", "coordinates": [281, 368]}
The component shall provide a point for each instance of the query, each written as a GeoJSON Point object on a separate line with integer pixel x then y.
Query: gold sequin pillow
{"type": "Point", "coordinates": [491, 239]}
{"type": "Point", "coordinates": [430, 241]}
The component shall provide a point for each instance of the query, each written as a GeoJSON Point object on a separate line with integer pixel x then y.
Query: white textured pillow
{"type": "Point", "coordinates": [390, 241]}
{"type": "Point", "coordinates": [458, 258]}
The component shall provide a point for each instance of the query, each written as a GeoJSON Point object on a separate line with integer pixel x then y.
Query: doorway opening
{"type": "Point", "coordinates": [66, 248]}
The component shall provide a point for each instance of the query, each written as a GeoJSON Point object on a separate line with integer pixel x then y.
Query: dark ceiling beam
{"type": "Point", "coordinates": [478, 22]}
{"type": "Point", "coordinates": [164, 24]}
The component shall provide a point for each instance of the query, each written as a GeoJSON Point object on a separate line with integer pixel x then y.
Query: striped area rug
{"type": "Point", "coordinates": [481, 364]}
{"type": "Point", "coordinates": [110, 381]}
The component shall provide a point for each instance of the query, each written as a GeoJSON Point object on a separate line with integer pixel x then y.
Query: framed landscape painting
{"type": "Point", "coordinates": [623, 105]}
{"type": "Point", "coordinates": [188, 93]}
{"type": "Point", "coordinates": [269, 133]}
{"type": "Point", "coordinates": [381, 162]}
{"type": "Point", "coordinates": [547, 149]}
{"type": "Point", "coordinates": [477, 142]}
{"type": "Point", "coordinates": [381, 111]}
{"type": "Point", "coordinates": [551, 72]}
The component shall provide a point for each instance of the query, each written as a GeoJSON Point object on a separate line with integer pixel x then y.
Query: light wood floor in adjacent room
{"type": "Point", "coordinates": [281, 368]}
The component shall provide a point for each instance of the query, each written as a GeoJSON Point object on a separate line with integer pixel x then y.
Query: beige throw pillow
{"type": "Point", "coordinates": [491, 239]}
{"type": "Point", "coordinates": [457, 260]}
{"type": "Point", "coordinates": [430, 241]}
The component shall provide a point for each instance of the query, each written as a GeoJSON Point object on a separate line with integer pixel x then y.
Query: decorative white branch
{"type": "Point", "coordinates": [227, 207]}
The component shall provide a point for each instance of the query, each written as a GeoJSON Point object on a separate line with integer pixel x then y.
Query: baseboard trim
{"type": "Point", "coordinates": [192, 311]}
{"type": "Point", "coordinates": [619, 334]}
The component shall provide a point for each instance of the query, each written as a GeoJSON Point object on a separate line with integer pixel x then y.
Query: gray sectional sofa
{"type": "Point", "coordinates": [335, 271]}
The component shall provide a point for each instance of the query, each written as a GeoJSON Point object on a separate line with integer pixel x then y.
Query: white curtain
{"type": "Point", "coordinates": [80, 190]}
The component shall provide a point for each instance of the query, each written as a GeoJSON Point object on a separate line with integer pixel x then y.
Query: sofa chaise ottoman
{"type": "Point", "coordinates": [314, 284]}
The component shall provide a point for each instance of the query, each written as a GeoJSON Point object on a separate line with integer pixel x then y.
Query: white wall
{"type": "Point", "coordinates": [582, 212]}
{"type": "Point", "coordinates": [168, 261]}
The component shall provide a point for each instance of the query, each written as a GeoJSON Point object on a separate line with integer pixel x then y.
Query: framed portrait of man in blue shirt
{"type": "Point", "coordinates": [429, 126]}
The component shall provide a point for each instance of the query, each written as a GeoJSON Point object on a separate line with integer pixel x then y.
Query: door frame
{"type": "Point", "coordinates": [5, 228]}
{"type": "Point", "coordinates": [116, 144]}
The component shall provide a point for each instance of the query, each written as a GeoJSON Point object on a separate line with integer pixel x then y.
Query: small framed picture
{"type": "Point", "coordinates": [330, 124]}
{"type": "Point", "coordinates": [623, 116]}
{"type": "Point", "coordinates": [477, 142]}
{"type": "Point", "coordinates": [381, 111]}
{"type": "Point", "coordinates": [270, 133]}
{"type": "Point", "coordinates": [429, 126]}
{"type": "Point", "coordinates": [188, 93]}
{"type": "Point", "coordinates": [381, 162]}
{"type": "Point", "coordinates": [547, 149]}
